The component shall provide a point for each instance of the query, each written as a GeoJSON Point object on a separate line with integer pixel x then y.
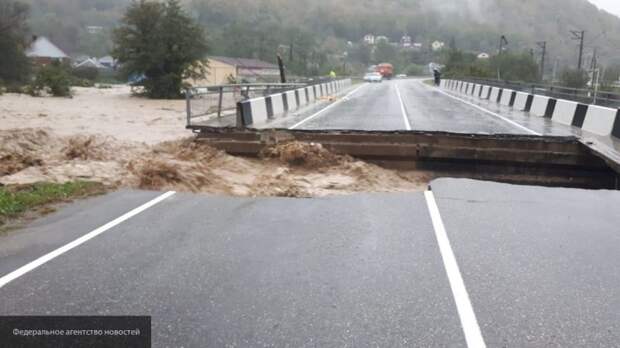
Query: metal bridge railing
{"type": "Point", "coordinates": [210, 102]}
{"type": "Point", "coordinates": [586, 96]}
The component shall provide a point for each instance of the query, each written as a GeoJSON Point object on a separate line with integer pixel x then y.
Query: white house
{"type": "Point", "coordinates": [94, 29]}
{"type": "Point", "coordinates": [406, 41]}
{"type": "Point", "coordinates": [382, 38]}
{"type": "Point", "coordinates": [369, 39]}
{"type": "Point", "coordinates": [107, 62]}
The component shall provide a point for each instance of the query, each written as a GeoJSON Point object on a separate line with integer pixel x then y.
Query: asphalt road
{"type": "Point", "coordinates": [410, 104]}
{"type": "Point", "coordinates": [541, 267]}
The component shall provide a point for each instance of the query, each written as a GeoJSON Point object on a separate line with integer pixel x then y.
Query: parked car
{"type": "Point", "coordinates": [373, 77]}
{"type": "Point", "coordinates": [401, 76]}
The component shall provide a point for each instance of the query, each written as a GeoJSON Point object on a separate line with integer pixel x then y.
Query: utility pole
{"type": "Point", "coordinates": [502, 41]}
{"type": "Point", "coordinates": [579, 35]}
{"type": "Point", "coordinates": [595, 70]}
{"type": "Point", "coordinates": [543, 47]}
{"type": "Point", "coordinates": [281, 67]}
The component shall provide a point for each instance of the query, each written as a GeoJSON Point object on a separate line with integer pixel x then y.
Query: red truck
{"type": "Point", "coordinates": [386, 70]}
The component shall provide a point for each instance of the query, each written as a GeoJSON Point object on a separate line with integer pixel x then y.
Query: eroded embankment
{"type": "Point", "coordinates": [289, 169]}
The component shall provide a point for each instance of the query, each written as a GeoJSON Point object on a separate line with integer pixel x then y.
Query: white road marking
{"type": "Point", "coordinates": [488, 112]}
{"type": "Point", "coordinates": [345, 98]}
{"type": "Point", "coordinates": [52, 255]}
{"type": "Point", "coordinates": [469, 323]}
{"type": "Point", "coordinates": [402, 108]}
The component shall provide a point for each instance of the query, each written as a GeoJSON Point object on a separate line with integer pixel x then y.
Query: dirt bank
{"type": "Point", "coordinates": [289, 169]}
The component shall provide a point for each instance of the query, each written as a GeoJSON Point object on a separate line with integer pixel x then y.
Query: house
{"type": "Point", "coordinates": [369, 39]}
{"type": "Point", "coordinates": [484, 55]}
{"type": "Point", "coordinates": [108, 62]}
{"type": "Point", "coordinates": [382, 38]}
{"type": "Point", "coordinates": [223, 70]}
{"type": "Point", "coordinates": [94, 29]}
{"type": "Point", "coordinates": [79, 58]}
{"type": "Point", "coordinates": [406, 41]}
{"type": "Point", "coordinates": [437, 45]}
{"type": "Point", "coordinates": [42, 51]}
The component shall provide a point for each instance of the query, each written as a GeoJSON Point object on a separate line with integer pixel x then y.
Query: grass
{"type": "Point", "coordinates": [15, 201]}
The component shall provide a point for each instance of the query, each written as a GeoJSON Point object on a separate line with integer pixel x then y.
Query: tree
{"type": "Point", "coordinates": [160, 42]}
{"type": "Point", "coordinates": [512, 66]}
{"type": "Point", "coordinates": [460, 64]}
{"type": "Point", "coordinates": [574, 78]}
{"type": "Point", "coordinates": [54, 79]}
{"type": "Point", "coordinates": [516, 67]}
{"type": "Point", "coordinates": [14, 65]}
{"type": "Point", "coordinates": [385, 52]}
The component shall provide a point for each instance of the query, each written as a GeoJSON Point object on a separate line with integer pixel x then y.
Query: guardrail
{"type": "Point", "coordinates": [217, 101]}
{"type": "Point", "coordinates": [585, 96]}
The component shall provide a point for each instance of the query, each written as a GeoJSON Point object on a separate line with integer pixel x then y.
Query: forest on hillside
{"type": "Point", "coordinates": [315, 34]}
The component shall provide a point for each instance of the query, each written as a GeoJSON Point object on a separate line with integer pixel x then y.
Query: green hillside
{"type": "Point", "coordinates": [319, 30]}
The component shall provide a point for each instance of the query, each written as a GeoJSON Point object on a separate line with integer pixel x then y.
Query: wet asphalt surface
{"type": "Point", "coordinates": [541, 265]}
{"type": "Point", "coordinates": [376, 106]}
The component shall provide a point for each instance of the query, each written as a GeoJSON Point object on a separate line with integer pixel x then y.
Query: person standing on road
{"type": "Point", "coordinates": [437, 75]}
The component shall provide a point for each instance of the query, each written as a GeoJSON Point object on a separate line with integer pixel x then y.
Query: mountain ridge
{"type": "Point", "coordinates": [474, 25]}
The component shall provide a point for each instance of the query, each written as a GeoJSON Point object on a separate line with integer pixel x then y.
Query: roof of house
{"type": "Point", "coordinates": [44, 48]}
{"type": "Point", "coordinates": [245, 63]}
{"type": "Point", "coordinates": [90, 63]}
{"type": "Point", "coordinates": [107, 59]}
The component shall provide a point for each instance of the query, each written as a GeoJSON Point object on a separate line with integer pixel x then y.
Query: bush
{"type": "Point", "coordinates": [88, 73]}
{"type": "Point", "coordinates": [53, 79]}
{"type": "Point", "coordinates": [415, 70]}
{"type": "Point", "coordinates": [574, 78]}
{"type": "Point", "coordinates": [82, 82]}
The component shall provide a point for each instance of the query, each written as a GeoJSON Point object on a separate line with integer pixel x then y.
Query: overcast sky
{"type": "Point", "coordinates": [611, 6]}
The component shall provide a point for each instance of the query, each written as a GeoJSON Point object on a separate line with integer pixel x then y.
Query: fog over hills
{"type": "Point", "coordinates": [473, 25]}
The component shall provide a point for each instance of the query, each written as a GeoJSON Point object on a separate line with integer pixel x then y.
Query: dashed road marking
{"type": "Point", "coordinates": [402, 108]}
{"type": "Point", "coordinates": [54, 254]}
{"type": "Point", "coordinates": [345, 98]}
{"type": "Point", "coordinates": [469, 323]}
{"type": "Point", "coordinates": [488, 112]}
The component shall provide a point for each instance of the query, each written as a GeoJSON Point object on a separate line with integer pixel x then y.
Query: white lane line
{"type": "Point", "coordinates": [402, 108]}
{"type": "Point", "coordinates": [52, 255]}
{"type": "Point", "coordinates": [346, 97]}
{"type": "Point", "coordinates": [488, 112]}
{"type": "Point", "coordinates": [469, 323]}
